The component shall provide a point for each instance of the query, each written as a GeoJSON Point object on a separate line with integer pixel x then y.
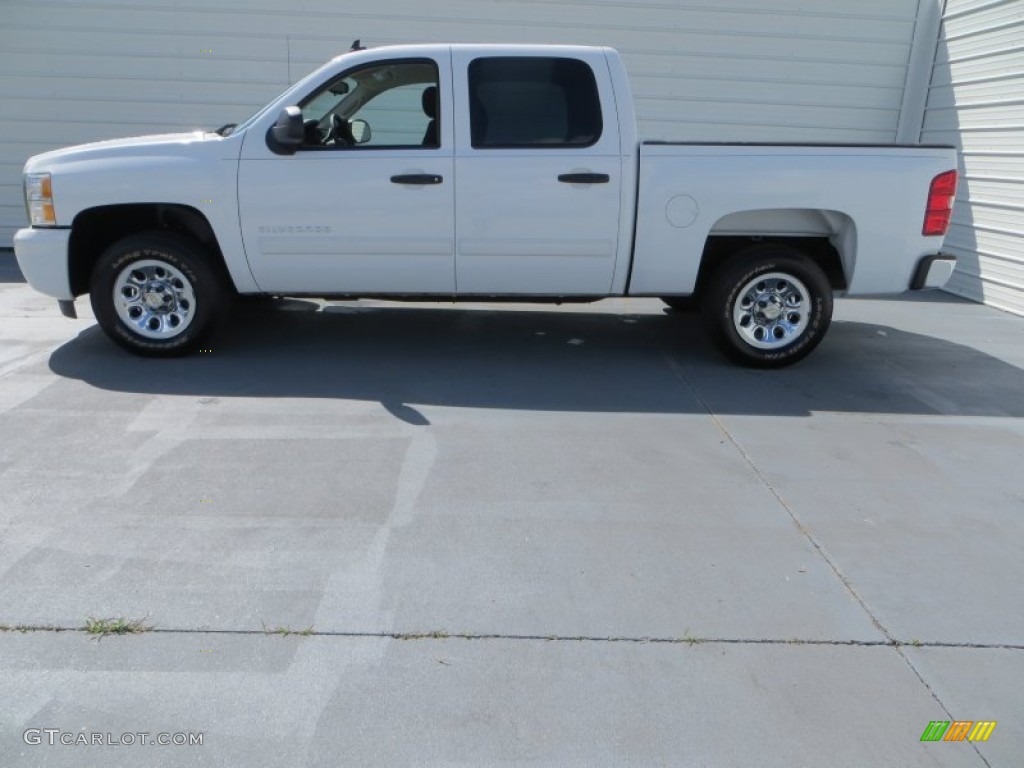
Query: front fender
{"type": "Point", "coordinates": [200, 174]}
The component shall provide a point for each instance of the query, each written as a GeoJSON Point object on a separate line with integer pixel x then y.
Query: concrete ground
{"type": "Point", "coordinates": [370, 534]}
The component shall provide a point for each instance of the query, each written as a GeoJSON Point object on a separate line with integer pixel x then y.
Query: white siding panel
{"type": "Point", "coordinates": [976, 101]}
{"type": "Point", "coordinates": [703, 70]}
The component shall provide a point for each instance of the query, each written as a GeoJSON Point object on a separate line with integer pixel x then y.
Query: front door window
{"type": "Point", "coordinates": [386, 105]}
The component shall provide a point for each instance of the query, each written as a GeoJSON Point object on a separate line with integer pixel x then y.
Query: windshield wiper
{"type": "Point", "coordinates": [226, 129]}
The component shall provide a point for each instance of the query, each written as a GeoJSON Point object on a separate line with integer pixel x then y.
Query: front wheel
{"type": "Point", "coordinates": [768, 306]}
{"type": "Point", "coordinates": [156, 294]}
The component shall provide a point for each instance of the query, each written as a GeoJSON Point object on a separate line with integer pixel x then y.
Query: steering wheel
{"type": "Point", "coordinates": [341, 132]}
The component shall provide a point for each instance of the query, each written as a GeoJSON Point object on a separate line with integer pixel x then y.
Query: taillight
{"type": "Point", "coordinates": [940, 204]}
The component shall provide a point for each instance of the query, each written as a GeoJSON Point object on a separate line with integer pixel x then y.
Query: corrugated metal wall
{"type": "Point", "coordinates": [81, 70]}
{"type": "Point", "coordinates": [976, 100]}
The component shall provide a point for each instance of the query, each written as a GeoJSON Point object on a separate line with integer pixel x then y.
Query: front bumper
{"type": "Point", "coordinates": [43, 259]}
{"type": "Point", "coordinates": [933, 271]}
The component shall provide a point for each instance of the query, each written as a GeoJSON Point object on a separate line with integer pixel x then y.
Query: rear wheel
{"type": "Point", "coordinates": [768, 306]}
{"type": "Point", "coordinates": [156, 294]}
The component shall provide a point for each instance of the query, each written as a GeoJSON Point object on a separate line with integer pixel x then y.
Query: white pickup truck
{"type": "Point", "coordinates": [473, 172]}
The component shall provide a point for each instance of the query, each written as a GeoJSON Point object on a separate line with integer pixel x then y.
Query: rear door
{"type": "Point", "coordinates": [538, 163]}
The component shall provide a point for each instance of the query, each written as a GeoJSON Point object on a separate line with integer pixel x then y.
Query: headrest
{"type": "Point", "coordinates": [430, 102]}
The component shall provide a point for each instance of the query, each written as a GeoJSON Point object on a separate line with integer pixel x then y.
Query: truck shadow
{"type": "Point", "coordinates": [542, 360]}
{"type": "Point", "coordinates": [9, 271]}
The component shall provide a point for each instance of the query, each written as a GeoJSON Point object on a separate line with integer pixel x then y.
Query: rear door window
{"type": "Point", "coordinates": [519, 102]}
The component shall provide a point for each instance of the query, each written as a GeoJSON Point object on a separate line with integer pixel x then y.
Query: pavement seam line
{"type": "Point", "coordinates": [443, 635]}
{"type": "Point", "coordinates": [680, 374]}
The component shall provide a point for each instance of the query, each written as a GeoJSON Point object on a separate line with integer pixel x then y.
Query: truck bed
{"type": "Point", "coordinates": [867, 200]}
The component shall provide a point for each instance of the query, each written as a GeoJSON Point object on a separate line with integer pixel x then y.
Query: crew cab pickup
{"type": "Point", "coordinates": [473, 172]}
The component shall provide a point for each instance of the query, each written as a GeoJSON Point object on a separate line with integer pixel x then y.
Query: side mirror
{"type": "Point", "coordinates": [288, 132]}
{"type": "Point", "coordinates": [361, 131]}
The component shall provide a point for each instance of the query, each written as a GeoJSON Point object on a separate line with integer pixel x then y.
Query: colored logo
{"type": "Point", "coordinates": [958, 730]}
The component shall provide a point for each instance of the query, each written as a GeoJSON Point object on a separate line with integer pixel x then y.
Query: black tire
{"type": "Point", "coordinates": [682, 303]}
{"type": "Point", "coordinates": [195, 308]}
{"type": "Point", "coordinates": [783, 341]}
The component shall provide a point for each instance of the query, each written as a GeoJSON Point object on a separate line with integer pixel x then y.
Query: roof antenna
{"type": "Point", "coordinates": [357, 45]}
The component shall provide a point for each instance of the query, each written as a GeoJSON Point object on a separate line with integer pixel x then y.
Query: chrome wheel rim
{"type": "Point", "coordinates": [154, 299]}
{"type": "Point", "coordinates": [772, 310]}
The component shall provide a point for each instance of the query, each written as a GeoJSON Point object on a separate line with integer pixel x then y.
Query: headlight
{"type": "Point", "coordinates": [39, 200]}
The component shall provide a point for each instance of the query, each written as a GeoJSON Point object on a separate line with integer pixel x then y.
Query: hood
{"type": "Point", "coordinates": [160, 144]}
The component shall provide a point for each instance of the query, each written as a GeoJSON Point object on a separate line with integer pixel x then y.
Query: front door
{"type": "Point", "coordinates": [539, 168]}
{"type": "Point", "coordinates": [367, 203]}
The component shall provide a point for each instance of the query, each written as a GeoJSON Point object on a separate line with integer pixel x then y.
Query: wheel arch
{"type": "Point", "coordinates": [827, 237]}
{"type": "Point", "coordinates": [95, 229]}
